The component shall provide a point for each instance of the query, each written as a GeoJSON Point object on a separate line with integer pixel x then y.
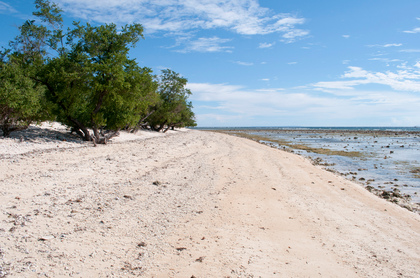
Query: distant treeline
{"type": "Point", "coordinates": [83, 77]}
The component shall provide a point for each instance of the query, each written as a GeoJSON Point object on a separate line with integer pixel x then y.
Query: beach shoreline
{"type": "Point", "coordinates": [376, 159]}
{"type": "Point", "coordinates": [193, 203]}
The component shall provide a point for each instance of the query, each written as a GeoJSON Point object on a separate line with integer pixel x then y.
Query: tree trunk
{"type": "Point", "coordinates": [167, 128]}
{"type": "Point", "coordinates": [141, 123]}
{"type": "Point", "coordinates": [161, 126]}
{"type": "Point", "coordinates": [80, 129]}
{"type": "Point", "coordinates": [97, 138]}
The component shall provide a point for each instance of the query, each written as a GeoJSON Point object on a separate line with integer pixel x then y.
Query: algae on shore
{"type": "Point", "coordinates": [416, 172]}
{"type": "Point", "coordinates": [291, 145]}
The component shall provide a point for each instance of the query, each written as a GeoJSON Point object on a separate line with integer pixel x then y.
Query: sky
{"type": "Point", "coordinates": [271, 62]}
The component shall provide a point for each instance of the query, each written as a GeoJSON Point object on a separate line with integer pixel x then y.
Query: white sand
{"type": "Point", "coordinates": [189, 204]}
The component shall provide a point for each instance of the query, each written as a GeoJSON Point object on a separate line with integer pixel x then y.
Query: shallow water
{"type": "Point", "coordinates": [386, 161]}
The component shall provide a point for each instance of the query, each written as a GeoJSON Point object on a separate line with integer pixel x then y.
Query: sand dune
{"type": "Point", "coordinates": [193, 204]}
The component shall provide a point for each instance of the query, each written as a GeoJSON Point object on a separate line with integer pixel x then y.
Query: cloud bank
{"type": "Point", "coordinates": [395, 103]}
{"type": "Point", "coordinates": [407, 79]}
{"type": "Point", "coordinates": [245, 17]}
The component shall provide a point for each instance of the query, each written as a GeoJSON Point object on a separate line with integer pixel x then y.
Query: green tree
{"type": "Point", "coordinates": [91, 84]}
{"type": "Point", "coordinates": [35, 40]}
{"type": "Point", "coordinates": [19, 96]}
{"type": "Point", "coordinates": [85, 79]}
{"type": "Point", "coordinates": [174, 109]}
{"type": "Point", "coordinates": [95, 85]}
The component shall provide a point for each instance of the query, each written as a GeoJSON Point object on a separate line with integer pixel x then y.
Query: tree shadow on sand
{"type": "Point", "coordinates": [44, 134]}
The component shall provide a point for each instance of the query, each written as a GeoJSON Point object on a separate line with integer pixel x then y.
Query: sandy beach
{"type": "Point", "coordinates": [190, 204]}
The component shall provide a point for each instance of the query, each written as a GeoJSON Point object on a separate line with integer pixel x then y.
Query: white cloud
{"type": "Point", "coordinates": [6, 8]}
{"type": "Point", "coordinates": [414, 31]}
{"type": "Point", "coordinates": [213, 44]}
{"type": "Point", "coordinates": [346, 36]}
{"type": "Point", "coordinates": [266, 45]}
{"type": "Point", "coordinates": [241, 16]}
{"type": "Point", "coordinates": [386, 45]}
{"type": "Point", "coordinates": [410, 50]}
{"type": "Point", "coordinates": [386, 60]}
{"type": "Point", "coordinates": [402, 80]}
{"type": "Point", "coordinates": [294, 34]}
{"type": "Point", "coordinates": [330, 86]}
{"type": "Point", "coordinates": [392, 44]}
{"type": "Point", "coordinates": [244, 63]}
{"type": "Point", "coordinates": [236, 99]}
{"type": "Point", "coordinates": [236, 105]}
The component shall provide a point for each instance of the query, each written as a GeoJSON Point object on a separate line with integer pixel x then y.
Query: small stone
{"type": "Point", "coordinates": [45, 238]}
{"type": "Point", "coordinates": [200, 260]}
{"type": "Point", "coordinates": [142, 244]}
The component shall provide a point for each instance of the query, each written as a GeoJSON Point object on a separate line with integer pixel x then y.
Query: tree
{"type": "Point", "coordinates": [19, 97]}
{"type": "Point", "coordinates": [86, 80]}
{"type": "Point", "coordinates": [173, 110]}
{"type": "Point", "coordinates": [95, 85]}
{"type": "Point", "coordinates": [35, 40]}
{"type": "Point", "coordinates": [90, 82]}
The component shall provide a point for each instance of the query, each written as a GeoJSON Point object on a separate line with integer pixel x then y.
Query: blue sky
{"type": "Point", "coordinates": [272, 62]}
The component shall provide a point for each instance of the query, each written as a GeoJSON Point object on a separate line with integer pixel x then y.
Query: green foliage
{"type": "Point", "coordinates": [85, 79]}
{"type": "Point", "coordinates": [49, 13]}
{"type": "Point", "coordinates": [93, 84]}
{"type": "Point", "coordinates": [21, 95]}
{"type": "Point", "coordinates": [174, 110]}
{"type": "Point", "coordinates": [85, 100]}
{"type": "Point", "coordinates": [19, 98]}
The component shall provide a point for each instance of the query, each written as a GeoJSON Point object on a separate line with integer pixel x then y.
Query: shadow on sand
{"type": "Point", "coordinates": [44, 134]}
